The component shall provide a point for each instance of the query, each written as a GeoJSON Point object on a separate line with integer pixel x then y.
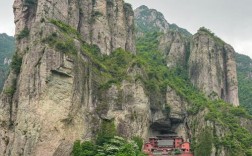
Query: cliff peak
{"type": "Point", "coordinates": [212, 66]}
{"type": "Point", "coordinates": [148, 20]}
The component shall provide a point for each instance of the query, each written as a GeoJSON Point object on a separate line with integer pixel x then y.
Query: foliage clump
{"type": "Point", "coordinates": [10, 91]}
{"type": "Point", "coordinates": [63, 41]}
{"type": "Point", "coordinates": [64, 27]}
{"type": "Point", "coordinates": [106, 132]}
{"type": "Point", "coordinates": [205, 142]}
{"type": "Point", "coordinates": [30, 2]}
{"type": "Point", "coordinates": [128, 9]}
{"type": "Point", "coordinates": [107, 143]}
{"type": "Point", "coordinates": [16, 63]}
{"type": "Point", "coordinates": [23, 34]}
{"type": "Point", "coordinates": [219, 41]}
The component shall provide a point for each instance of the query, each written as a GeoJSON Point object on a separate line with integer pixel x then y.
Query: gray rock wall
{"type": "Point", "coordinates": [212, 68]}
{"type": "Point", "coordinates": [55, 99]}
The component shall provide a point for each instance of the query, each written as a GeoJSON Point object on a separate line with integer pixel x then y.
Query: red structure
{"type": "Point", "coordinates": [167, 145]}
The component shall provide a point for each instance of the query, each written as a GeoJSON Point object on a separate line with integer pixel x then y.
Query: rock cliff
{"type": "Point", "coordinates": [175, 48]}
{"type": "Point", "coordinates": [215, 76]}
{"type": "Point", "coordinates": [52, 99]}
{"type": "Point", "coordinates": [150, 20]}
{"type": "Point", "coordinates": [215, 60]}
{"type": "Point", "coordinates": [76, 67]}
{"type": "Point", "coordinates": [212, 67]}
{"type": "Point", "coordinates": [173, 40]}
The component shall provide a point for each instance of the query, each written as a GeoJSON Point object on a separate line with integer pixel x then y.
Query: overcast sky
{"type": "Point", "coordinates": [231, 20]}
{"type": "Point", "coordinates": [6, 17]}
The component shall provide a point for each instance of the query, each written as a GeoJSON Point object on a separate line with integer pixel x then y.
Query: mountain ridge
{"type": "Point", "coordinates": [79, 75]}
{"type": "Point", "coordinates": [7, 49]}
{"type": "Point", "coordinates": [153, 20]}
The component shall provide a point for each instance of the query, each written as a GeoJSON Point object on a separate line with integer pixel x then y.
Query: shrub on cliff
{"type": "Point", "coordinates": [16, 63]}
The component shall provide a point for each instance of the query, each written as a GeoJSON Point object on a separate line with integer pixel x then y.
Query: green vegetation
{"type": "Point", "coordinates": [65, 45]}
{"type": "Point", "coordinates": [10, 91]}
{"type": "Point", "coordinates": [23, 34]}
{"type": "Point", "coordinates": [64, 40]}
{"type": "Point", "coordinates": [112, 69]}
{"type": "Point", "coordinates": [110, 2]}
{"type": "Point", "coordinates": [184, 32]}
{"type": "Point", "coordinates": [205, 142]}
{"type": "Point", "coordinates": [138, 141]}
{"type": "Point", "coordinates": [237, 141]}
{"type": "Point", "coordinates": [16, 63]}
{"type": "Point", "coordinates": [86, 148]}
{"type": "Point", "coordinates": [219, 41]}
{"type": "Point", "coordinates": [108, 144]}
{"type": "Point", "coordinates": [116, 146]}
{"type": "Point", "coordinates": [106, 132]}
{"type": "Point", "coordinates": [16, 67]}
{"type": "Point", "coordinates": [65, 27]}
{"type": "Point", "coordinates": [244, 73]}
{"type": "Point", "coordinates": [7, 49]}
{"type": "Point", "coordinates": [145, 25]}
{"type": "Point", "coordinates": [128, 9]}
{"type": "Point", "coordinates": [30, 2]}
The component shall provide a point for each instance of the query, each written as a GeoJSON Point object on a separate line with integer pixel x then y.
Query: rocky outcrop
{"type": "Point", "coordinates": [148, 20]}
{"type": "Point", "coordinates": [174, 47]}
{"type": "Point", "coordinates": [62, 93]}
{"type": "Point", "coordinates": [53, 99]}
{"type": "Point", "coordinates": [212, 67]}
{"type": "Point", "coordinates": [109, 25]}
{"type": "Point", "coordinates": [210, 61]}
{"type": "Point", "coordinates": [129, 106]}
{"type": "Point", "coordinates": [173, 40]}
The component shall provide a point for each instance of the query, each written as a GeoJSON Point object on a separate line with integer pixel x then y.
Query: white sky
{"type": "Point", "coordinates": [6, 17]}
{"type": "Point", "coordinates": [231, 20]}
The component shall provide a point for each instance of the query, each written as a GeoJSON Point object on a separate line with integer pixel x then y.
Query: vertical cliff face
{"type": "Point", "coordinates": [211, 62]}
{"type": "Point", "coordinates": [62, 88]}
{"type": "Point", "coordinates": [174, 47]}
{"type": "Point", "coordinates": [54, 93]}
{"type": "Point", "coordinates": [110, 25]}
{"type": "Point", "coordinates": [212, 67]}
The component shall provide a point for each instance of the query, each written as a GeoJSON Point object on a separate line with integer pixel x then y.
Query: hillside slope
{"type": "Point", "coordinates": [7, 49]}
{"type": "Point", "coordinates": [244, 70]}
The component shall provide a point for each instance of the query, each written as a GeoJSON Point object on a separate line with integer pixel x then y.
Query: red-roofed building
{"type": "Point", "coordinates": [166, 145]}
